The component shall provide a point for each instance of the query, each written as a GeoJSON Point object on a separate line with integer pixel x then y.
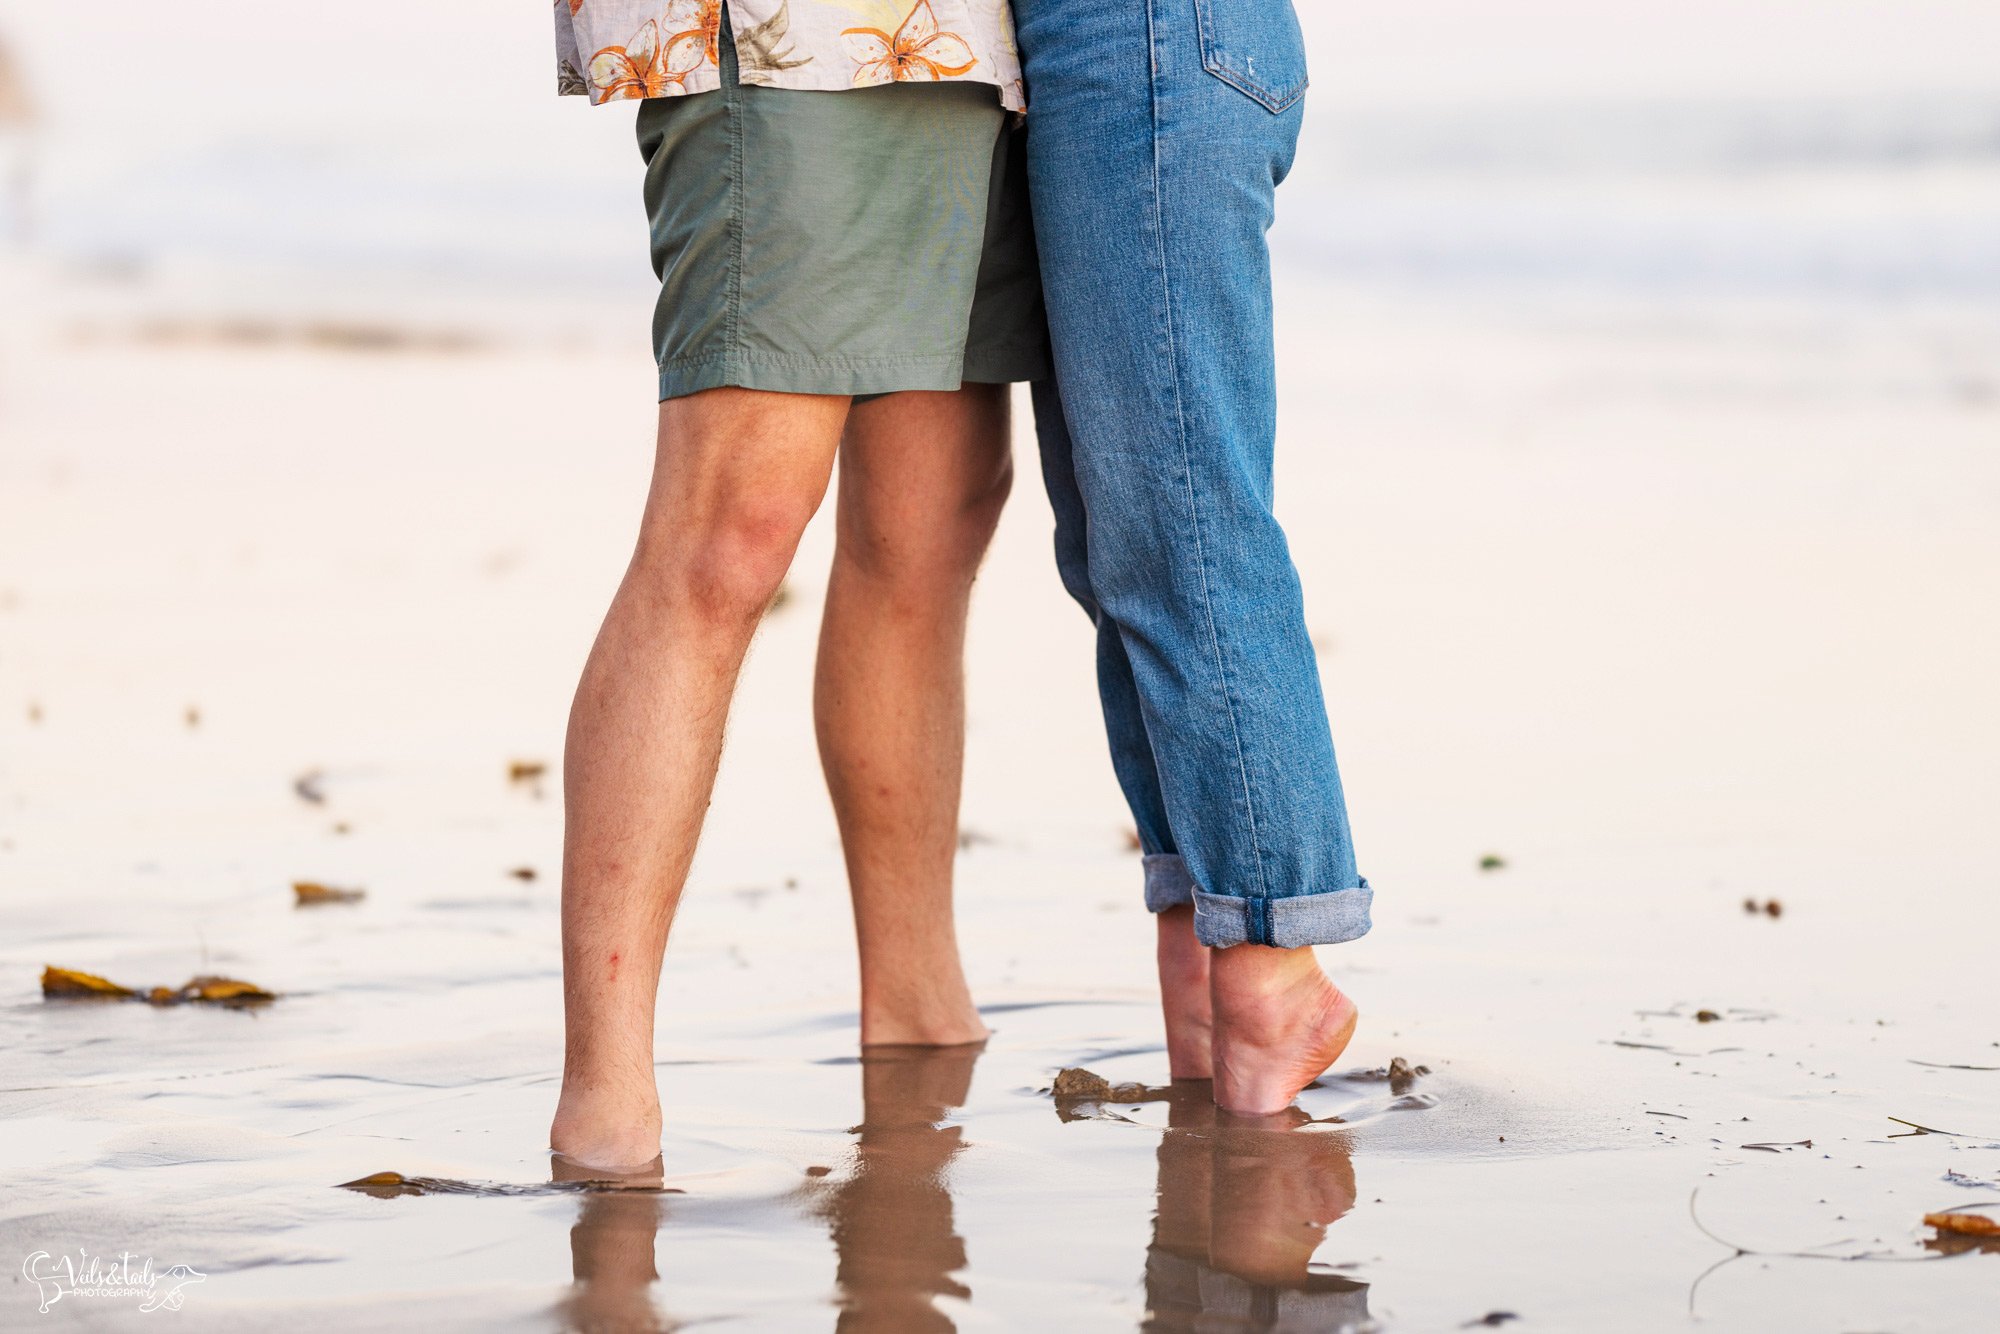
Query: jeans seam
{"type": "Point", "coordinates": [1187, 468]}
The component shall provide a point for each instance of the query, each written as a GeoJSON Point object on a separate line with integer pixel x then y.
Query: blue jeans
{"type": "Point", "coordinates": [1157, 135]}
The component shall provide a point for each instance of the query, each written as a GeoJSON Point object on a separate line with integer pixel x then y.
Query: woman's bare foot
{"type": "Point", "coordinates": [612, 1126]}
{"type": "Point", "coordinates": [1279, 1023]}
{"type": "Point", "coordinates": [1184, 995]}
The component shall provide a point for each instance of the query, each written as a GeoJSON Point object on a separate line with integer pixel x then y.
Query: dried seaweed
{"type": "Point", "coordinates": [1916, 1130]}
{"type": "Point", "coordinates": [67, 982]}
{"type": "Point", "coordinates": [1965, 1224]}
{"type": "Point", "coordinates": [389, 1185]}
{"type": "Point", "coordinates": [311, 894]}
{"type": "Point", "coordinates": [208, 989]}
{"type": "Point", "coordinates": [1740, 1252]}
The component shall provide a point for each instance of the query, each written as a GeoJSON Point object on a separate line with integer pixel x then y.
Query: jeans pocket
{"type": "Point", "coordinates": [1255, 47]}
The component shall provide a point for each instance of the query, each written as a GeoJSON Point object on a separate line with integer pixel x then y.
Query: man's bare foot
{"type": "Point", "coordinates": [953, 1026]}
{"type": "Point", "coordinates": [924, 1004]}
{"type": "Point", "coordinates": [614, 1128]}
{"type": "Point", "coordinates": [923, 1030]}
{"type": "Point", "coordinates": [1184, 994]}
{"type": "Point", "coordinates": [1279, 1023]}
{"type": "Point", "coordinates": [565, 1170]}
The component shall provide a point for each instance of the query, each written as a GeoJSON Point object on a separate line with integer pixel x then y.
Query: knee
{"type": "Point", "coordinates": [726, 565]}
{"type": "Point", "coordinates": [919, 556]}
{"type": "Point", "coordinates": [971, 529]}
{"type": "Point", "coordinates": [954, 550]}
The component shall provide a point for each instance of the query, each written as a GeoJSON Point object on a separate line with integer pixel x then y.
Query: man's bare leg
{"type": "Point", "coordinates": [737, 475]}
{"type": "Point", "coordinates": [1279, 1023]}
{"type": "Point", "coordinates": [922, 482]}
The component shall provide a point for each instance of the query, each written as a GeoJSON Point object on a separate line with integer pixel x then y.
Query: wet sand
{"type": "Point", "coordinates": [1661, 615]}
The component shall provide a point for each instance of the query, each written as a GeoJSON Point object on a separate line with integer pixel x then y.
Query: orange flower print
{"type": "Point", "coordinates": [646, 66]}
{"type": "Point", "coordinates": [918, 51]}
{"type": "Point", "coordinates": [689, 18]}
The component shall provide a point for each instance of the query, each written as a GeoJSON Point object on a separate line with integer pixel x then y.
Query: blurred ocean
{"type": "Point", "coordinates": [251, 161]}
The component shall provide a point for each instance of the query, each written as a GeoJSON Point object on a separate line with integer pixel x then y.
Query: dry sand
{"type": "Point", "coordinates": [1666, 614]}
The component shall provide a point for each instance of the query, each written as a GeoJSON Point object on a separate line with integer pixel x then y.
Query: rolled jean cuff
{"type": "Point", "coordinates": [1168, 884]}
{"type": "Point", "coordinates": [1305, 919]}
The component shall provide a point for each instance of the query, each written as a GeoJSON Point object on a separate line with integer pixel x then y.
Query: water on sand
{"type": "Point", "coordinates": [1664, 617]}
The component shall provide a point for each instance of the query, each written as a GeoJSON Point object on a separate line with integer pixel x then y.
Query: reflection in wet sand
{"type": "Point", "coordinates": [1243, 1203]}
{"type": "Point", "coordinates": [891, 1214]}
{"type": "Point", "coordinates": [611, 1256]}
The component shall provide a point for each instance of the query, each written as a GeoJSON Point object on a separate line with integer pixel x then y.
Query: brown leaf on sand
{"type": "Point", "coordinates": [523, 873]}
{"type": "Point", "coordinates": [525, 771]}
{"type": "Point", "coordinates": [383, 1185]}
{"type": "Point", "coordinates": [222, 991]}
{"type": "Point", "coordinates": [310, 894]}
{"type": "Point", "coordinates": [66, 983]}
{"type": "Point", "coordinates": [1965, 1225]}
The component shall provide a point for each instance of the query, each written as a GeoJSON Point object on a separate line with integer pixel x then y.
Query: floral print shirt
{"type": "Point", "coordinates": [613, 49]}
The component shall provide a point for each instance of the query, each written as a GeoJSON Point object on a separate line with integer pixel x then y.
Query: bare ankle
{"type": "Point", "coordinates": [1250, 974]}
{"type": "Point", "coordinates": [607, 1128]}
{"type": "Point", "coordinates": [1184, 994]}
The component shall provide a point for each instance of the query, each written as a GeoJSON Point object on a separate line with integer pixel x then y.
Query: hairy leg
{"type": "Point", "coordinates": [923, 479]}
{"type": "Point", "coordinates": [737, 475]}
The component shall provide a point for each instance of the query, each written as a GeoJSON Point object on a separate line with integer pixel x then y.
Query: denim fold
{"type": "Point", "coordinates": [1168, 884]}
{"type": "Point", "coordinates": [1329, 918]}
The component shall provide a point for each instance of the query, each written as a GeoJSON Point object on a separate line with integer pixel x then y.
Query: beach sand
{"type": "Point", "coordinates": [1664, 615]}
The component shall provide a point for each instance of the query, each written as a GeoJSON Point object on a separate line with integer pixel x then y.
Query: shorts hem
{"type": "Point", "coordinates": [779, 373]}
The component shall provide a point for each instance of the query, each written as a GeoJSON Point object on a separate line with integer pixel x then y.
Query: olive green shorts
{"type": "Point", "coordinates": [854, 242]}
